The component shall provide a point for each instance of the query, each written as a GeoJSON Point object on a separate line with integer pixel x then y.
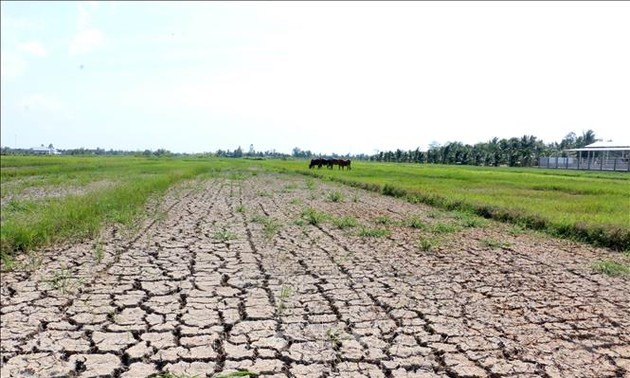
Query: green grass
{"type": "Point", "coordinates": [271, 226]}
{"type": "Point", "coordinates": [428, 244]}
{"type": "Point", "coordinates": [415, 222]}
{"type": "Point", "coordinates": [587, 206]}
{"type": "Point", "coordinates": [369, 232]}
{"type": "Point", "coordinates": [611, 268]}
{"type": "Point", "coordinates": [345, 222]}
{"type": "Point", "coordinates": [383, 219]}
{"type": "Point", "coordinates": [335, 196]}
{"type": "Point", "coordinates": [494, 243]}
{"type": "Point", "coordinates": [31, 223]}
{"type": "Point", "coordinates": [314, 217]}
{"type": "Point", "coordinates": [444, 228]}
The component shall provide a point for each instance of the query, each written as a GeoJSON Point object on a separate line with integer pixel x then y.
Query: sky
{"type": "Point", "coordinates": [328, 77]}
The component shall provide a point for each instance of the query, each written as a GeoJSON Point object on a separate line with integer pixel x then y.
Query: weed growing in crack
{"type": "Point", "coordinates": [345, 222]}
{"type": "Point", "coordinates": [333, 337]}
{"type": "Point", "coordinates": [494, 243]}
{"type": "Point", "coordinates": [289, 188]}
{"type": "Point", "coordinates": [314, 217]}
{"type": "Point", "coordinates": [415, 222]}
{"type": "Point", "coordinates": [611, 268]}
{"type": "Point", "coordinates": [285, 293]}
{"type": "Point", "coordinates": [263, 194]}
{"type": "Point", "coordinates": [444, 228]}
{"type": "Point", "coordinates": [224, 235]}
{"type": "Point", "coordinates": [335, 196]}
{"type": "Point", "coordinates": [295, 201]}
{"type": "Point", "coordinates": [384, 219]}
{"type": "Point", "coordinates": [99, 251]}
{"type": "Point", "coordinates": [63, 282]}
{"type": "Point", "coordinates": [373, 232]}
{"type": "Point", "coordinates": [427, 244]}
{"type": "Point", "coordinates": [310, 183]}
{"type": "Point", "coordinates": [270, 225]}
{"type": "Point", "coordinates": [355, 198]}
{"type": "Point", "coordinates": [240, 209]}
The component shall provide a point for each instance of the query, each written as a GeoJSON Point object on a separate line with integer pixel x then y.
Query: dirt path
{"type": "Point", "coordinates": [209, 288]}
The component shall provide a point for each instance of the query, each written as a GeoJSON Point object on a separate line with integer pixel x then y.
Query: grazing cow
{"type": "Point", "coordinates": [316, 162]}
{"type": "Point", "coordinates": [344, 163]}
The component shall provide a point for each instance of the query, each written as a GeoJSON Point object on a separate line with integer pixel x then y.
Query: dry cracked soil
{"type": "Point", "coordinates": [231, 274]}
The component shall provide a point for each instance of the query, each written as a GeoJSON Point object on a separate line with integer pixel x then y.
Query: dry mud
{"type": "Point", "coordinates": [206, 289]}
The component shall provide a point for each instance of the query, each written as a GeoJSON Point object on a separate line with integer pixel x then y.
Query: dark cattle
{"type": "Point", "coordinates": [344, 164]}
{"type": "Point", "coordinates": [316, 162]}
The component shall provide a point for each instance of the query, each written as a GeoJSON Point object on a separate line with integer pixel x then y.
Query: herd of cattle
{"type": "Point", "coordinates": [330, 163]}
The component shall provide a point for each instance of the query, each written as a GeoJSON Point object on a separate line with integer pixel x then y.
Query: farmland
{"type": "Point", "coordinates": [134, 266]}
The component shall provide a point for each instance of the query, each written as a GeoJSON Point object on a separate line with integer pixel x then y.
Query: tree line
{"type": "Point", "coordinates": [514, 152]}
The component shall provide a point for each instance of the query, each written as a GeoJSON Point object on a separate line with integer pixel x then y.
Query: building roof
{"type": "Point", "coordinates": [601, 145]}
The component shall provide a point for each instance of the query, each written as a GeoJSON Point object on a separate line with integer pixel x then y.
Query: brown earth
{"type": "Point", "coordinates": [207, 289]}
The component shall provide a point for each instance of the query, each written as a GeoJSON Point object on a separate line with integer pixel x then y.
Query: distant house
{"type": "Point", "coordinates": [43, 150]}
{"type": "Point", "coordinates": [601, 156]}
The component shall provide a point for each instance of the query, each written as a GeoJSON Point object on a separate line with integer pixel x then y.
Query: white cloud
{"type": "Point", "coordinates": [86, 41]}
{"type": "Point", "coordinates": [12, 66]}
{"type": "Point", "coordinates": [32, 48]}
{"type": "Point", "coordinates": [88, 38]}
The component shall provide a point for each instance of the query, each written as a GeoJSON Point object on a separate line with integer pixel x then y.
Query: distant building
{"type": "Point", "coordinates": [599, 156]}
{"type": "Point", "coordinates": [43, 150]}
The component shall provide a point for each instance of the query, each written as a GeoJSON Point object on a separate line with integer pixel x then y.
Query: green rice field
{"type": "Point", "coordinates": [50, 199]}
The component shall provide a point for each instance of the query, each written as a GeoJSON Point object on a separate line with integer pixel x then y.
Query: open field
{"type": "Point", "coordinates": [51, 199]}
{"type": "Point", "coordinates": [236, 267]}
{"type": "Point", "coordinates": [590, 206]}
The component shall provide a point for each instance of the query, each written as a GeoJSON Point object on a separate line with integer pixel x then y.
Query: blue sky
{"type": "Point", "coordinates": [353, 77]}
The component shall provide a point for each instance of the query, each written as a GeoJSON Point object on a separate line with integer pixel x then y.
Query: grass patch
{"type": "Point", "coordinates": [63, 282]}
{"type": "Point", "coordinates": [345, 222]}
{"type": "Point", "coordinates": [271, 226]}
{"type": "Point", "coordinates": [415, 222]}
{"type": "Point", "coordinates": [428, 244]}
{"type": "Point", "coordinates": [314, 217]}
{"type": "Point", "coordinates": [611, 268]}
{"type": "Point", "coordinates": [369, 232]}
{"type": "Point", "coordinates": [240, 209]}
{"type": "Point", "coordinates": [494, 243]}
{"type": "Point", "coordinates": [444, 228]}
{"type": "Point", "coordinates": [335, 196]}
{"type": "Point", "coordinates": [223, 234]}
{"type": "Point", "coordinates": [383, 219]}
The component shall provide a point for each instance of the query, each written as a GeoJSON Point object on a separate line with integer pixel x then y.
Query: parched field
{"type": "Point", "coordinates": [286, 276]}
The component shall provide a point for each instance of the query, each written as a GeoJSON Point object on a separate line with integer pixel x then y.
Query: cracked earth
{"type": "Point", "coordinates": [203, 288]}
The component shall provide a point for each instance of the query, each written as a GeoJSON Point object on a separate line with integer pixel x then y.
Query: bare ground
{"type": "Point", "coordinates": [207, 289]}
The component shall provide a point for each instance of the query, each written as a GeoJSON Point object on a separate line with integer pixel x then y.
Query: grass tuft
{"type": "Point", "coordinates": [373, 232]}
{"type": "Point", "coordinates": [611, 268]}
{"type": "Point", "coordinates": [314, 217]}
{"type": "Point", "coordinates": [345, 222]}
{"type": "Point", "coordinates": [494, 243]}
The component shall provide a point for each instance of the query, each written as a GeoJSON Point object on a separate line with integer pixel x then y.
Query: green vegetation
{"type": "Point", "coordinates": [427, 244]}
{"type": "Point", "coordinates": [493, 243]}
{"type": "Point", "coordinates": [587, 206]}
{"type": "Point", "coordinates": [345, 222]}
{"type": "Point", "coordinates": [223, 234]}
{"type": "Point", "coordinates": [335, 196]}
{"type": "Point", "coordinates": [314, 217]}
{"type": "Point", "coordinates": [444, 228]}
{"type": "Point", "coordinates": [270, 225]}
{"type": "Point", "coordinates": [369, 232]}
{"type": "Point", "coordinates": [78, 195]}
{"type": "Point", "coordinates": [383, 219]}
{"type": "Point", "coordinates": [285, 293]}
{"type": "Point", "coordinates": [83, 194]}
{"type": "Point", "coordinates": [611, 268]}
{"type": "Point", "coordinates": [63, 282]}
{"type": "Point", "coordinates": [415, 222]}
